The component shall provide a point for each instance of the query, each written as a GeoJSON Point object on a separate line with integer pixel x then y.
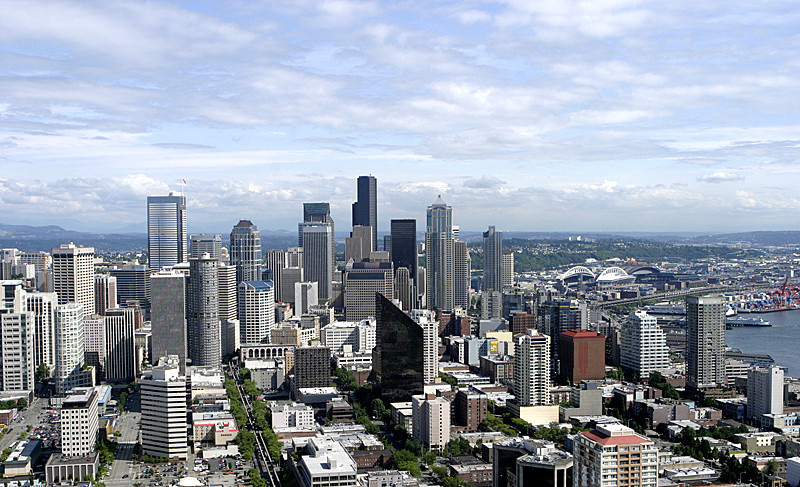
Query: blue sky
{"type": "Point", "coordinates": [543, 116]}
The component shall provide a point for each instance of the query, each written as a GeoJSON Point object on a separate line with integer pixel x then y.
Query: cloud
{"type": "Point", "coordinates": [720, 177]}
{"type": "Point", "coordinates": [484, 182]}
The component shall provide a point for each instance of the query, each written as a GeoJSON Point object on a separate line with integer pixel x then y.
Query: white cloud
{"type": "Point", "coordinates": [720, 177]}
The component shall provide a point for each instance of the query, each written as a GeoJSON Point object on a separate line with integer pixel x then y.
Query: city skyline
{"type": "Point", "coordinates": [601, 116]}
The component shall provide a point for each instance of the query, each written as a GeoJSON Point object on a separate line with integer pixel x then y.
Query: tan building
{"type": "Point", "coordinates": [614, 454]}
{"type": "Point", "coordinates": [214, 428]}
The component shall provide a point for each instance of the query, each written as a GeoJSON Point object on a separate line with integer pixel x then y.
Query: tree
{"type": "Point", "coordinates": [42, 373]}
{"type": "Point", "coordinates": [378, 408]}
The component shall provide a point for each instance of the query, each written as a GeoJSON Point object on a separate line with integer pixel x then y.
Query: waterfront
{"type": "Point", "coordinates": [781, 340]}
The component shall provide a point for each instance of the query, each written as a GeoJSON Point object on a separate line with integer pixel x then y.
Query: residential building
{"type": "Point", "coordinates": [349, 336]}
{"type": "Point", "coordinates": [16, 339]}
{"type": "Point", "coordinates": [764, 391]}
{"type": "Point", "coordinates": [43, 305]}
{"type": "Point", "coordinates": [256, 311]}
{"type": "Point", "coordinates": [163, 402]}
{"type": "Point", "coordinates": [105, 293]}
{"type": "Point", "coordinates": [644, 345]}
{"type": "Point", "coordinates": [73, 275]}
{"type": "Point", "coordinates": [431, 419]}
{"type": "Point", "coordinates": [614, 454]}
{"type": "Point", "coordinates": [166, 231]}
{"type": "Point", "coordinates": [470, 409]}
{"type": "Point", "coordinates": [69, 340]}
{"type": "Point", "coordinates": [461, 274]}
{"type": "Point", "coordinates": [705, 333]}
{"type": "Point", "coordinates": [228, 292]}
{"type": "Point", "coordinates": [532, 369]}
{"type": "Point", "coordinates": [507, 274]}
{"type": "Point", "coordinates": [522, 462]}
{"type": "Point", "coordinates": [245, 251]}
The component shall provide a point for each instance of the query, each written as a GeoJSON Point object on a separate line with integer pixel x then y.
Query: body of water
{"type": "Point", "coordinates": [781, 340]}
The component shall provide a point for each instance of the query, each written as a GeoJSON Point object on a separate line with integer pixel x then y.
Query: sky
{"type": "Point", "coordinates": [602, 116]}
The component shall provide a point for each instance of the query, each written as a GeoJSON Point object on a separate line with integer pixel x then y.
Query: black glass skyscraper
{"type": "Point", "coordinates": [365, 210]}
{"type": "Point", "coordinates": [404, 246]}
{"type": "Point", "coordinates": [398, 356]}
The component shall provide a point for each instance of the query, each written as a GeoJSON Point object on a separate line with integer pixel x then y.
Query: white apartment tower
{"type": "Point", "coordinates": [164, 427]}
{"type": "Point", "coordinates": [430, 344]}
{"type": "Point", "coordinates": [43, 305]}
{"type": "Point", "coordinates": [644, 345]}
{"type": "Point", "coordinates": [17, 343]}
{"type": "Point", "coordinates": [431, 420]}
{"type": "Point", "coordinates": [79, 422]}
{"type": "Point", "coordinates": [256, 311]}
{"type": "Point", "coordinates": [612, 455]}
{"type": "Point", "coordinates": [166, 231]}
{"type": "Point", "coordinates": [764, 391]}
{"type": "Point", "coordinates": [73, 275]}
{"type": "Point", "coordinates": [532, 369]}
{"type": "Point", "coordinates": [69, 339]}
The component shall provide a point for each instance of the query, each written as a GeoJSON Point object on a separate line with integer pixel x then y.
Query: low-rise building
{"type": "Point", "coordinates": [214, 428]}
{"type": "Point", "coordinates": [291, 415]}
{"type": "Point", "coordinates": [327, 464]}
{"type": "Point", "coordinates": [519, 462]}
{"type": "Point", "coordinates": [760, 442]}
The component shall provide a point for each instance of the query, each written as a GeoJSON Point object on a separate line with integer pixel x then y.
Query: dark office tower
{"type": "Point", "coordinates": [120, 363]}
{"type": "Point", "coordinates": [404, 246]}
{"type": "Point", "coordinates": [519, 323]}
{"type": "Point", "coordinates": [276, 261]}
{"type": "Point", "coordinates": [312, 367]}
{"type": "Point", "coordinates": [398, 357]}
{"type": "Point", "coordinates": [133, 284]}
{"type": "Point", "coordinates": [168, 315]}
{"type": "Point", "coordinates": [245, 251]}
{"type": "Point", "coordinates": [365, 210]}
{"type": "Point", "coordinates": [166, 230]}
{"type": "Point", "coordinates": [203, 323]}
{"type": "Point", "coordinates": [557, 317]}
{"type": "Point", "coordinates": [317, 257]}
{"type": "Point", "coordinates": [404, 289]}
{"type": "Point", "coordinates": [705, 337]}
{"type": "Point", "coordinates": [492, 260]}
{"type": "Point", "coordinates": [205, 243]}
{"type": "Point", "coordinates": [318, 213]}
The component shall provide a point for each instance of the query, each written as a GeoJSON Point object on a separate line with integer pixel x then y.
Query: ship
{"type": "Point", "coordinates": [745, 321]}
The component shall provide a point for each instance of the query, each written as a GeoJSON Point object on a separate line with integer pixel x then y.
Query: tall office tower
{"type": "Point", "coordinates": [133, 284]}
{"type": "Point", "coordinates": [105, 293]}
{"type": "Point", "coordinates": [439, 264]}
{"type": "Point", "coordinates": [166, 231]}
{"type": "Point", "coordinates": [316, 213]}
{"type": "Point", "coordinates": [492, 260]}
{"type": "Point", "coordinates": [403, 249]}
{"type": "Point", "coordinates": [421, 287]}
{"type": "Point", "coordinates": [205, 243]}
{"type": "Point", "coordinates": [276, 261]}
{"type": "Point", "coordinates": [69, 339]}
{"type": "Point", "coordinates": [73, 275]}
{"type": "Point", "coordinates": [461, 275]}
{"type": "Point", "coordinates": [358, 246]}
{"type": "Point", "coordinates": [365, 210]}
{"type": "Point", "coordinates": [404, 289]}
{"type": "Point", "coordinates": [431, 420]}
{"type": "Point", "coordinates": [507, 274]}
{"type": "Point", "coordinates": [294, 257]}
{"type": "Point", "coordinates": [614, 454]}
{"type": "Point", "coordinates": [16, 339]}
{"type": "Point", "coordinates": [94, 340]}
{"type": "Point", "coordinates": [305, 296]}
{"type": "Point", "coordinates": [79, 422]}
{"type": "Point", "coordinates": [256, 311]}
{"type": "Point", "coordinates": [42, 305]}
{"type": "Point", "coordinates": [168, 316]}
{"type": "Point", "coordinates": [312, 367]}
{"type": "Point", "coordinates": [532, 369]}
{"type": "Point", "coordinates": [644, 345]}
{"type": "Point", "coordinates": [228, 293]}
{"type": "Point", "coordinates": [164, 411]}
{"type": "Point", "coordinates": [204, 334]}
{"type": "Point", "coordinates": [426, 319]}
{"type": "Point", "coordinates": [317, 257]}
{"type": "Point", "coordinates": [43, 265]}
{"type": "Point", "coordinates": [120, 357]}
{"type": "Point", "coordinates": [583, 356]}
{"type": "Point", "coordinates": [245, 251]}
{"type": "Point", "coordinates": [361, 281]}
{"type": "Point", "coordinates": [705, 336]}
{"type": "Point", "coordinates": [290, 276]}
{"type": "Point", "coordinates": [764, 391]}
{"type": "Point", "coordinates": [398, 359]}
{"type": "Point", "coordinates": [556, 317]}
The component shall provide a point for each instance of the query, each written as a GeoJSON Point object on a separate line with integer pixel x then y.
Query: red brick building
{"type": "Point", "coordinates": [518, 323]}
{"type": "Point", "coordinates": [470, 409]}
{"type": "Point", "coordinates": [582, 354]}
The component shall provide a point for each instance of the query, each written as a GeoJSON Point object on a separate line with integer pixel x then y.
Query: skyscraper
{"type": "Point", "coordinates": [764, 391]}
{"type": "Point", "coordinates": [315, 213]}
{"type": "Point", "coordinates": [318, 257]}
{"type": "Point", "coordinates": [245, 251]}
{"type": "Point", "coordinates": [398, 360]}
{"type": "Point", "coordinates": [492, 260]}
{"type": "Point", "coordinates": [133, 284]}
{"type": "Point", "coordinates": [105, 293]}
{"type": "Point", "coordinates": [205, 243]}
{"type": "Point", "coordinates": [532, 369]}
{"type": "Point", "coordinates": [404, 246]}
{"type": "Point", "coordinates": [461, 275]}
{"type": "Point", "coordinates": [256, 311]}
{"type": "Point", "coordinates": [644, 345]}
{"type": "Point", "coordinates": [276, 261]}
{"type": "Point", "coordinates": [69, 340]}
{"type": "Point", "coordinates": [120, 357]}
{"type": "Point", "coordinates": [166, 230]}
{"type": "Point", "coordinates": [73, 275]}
{"type": "Point", "coordinates": [43, 305]}
{"type": "Point", "coordinates": [705, 336]}
{"type": "Point", "coordinates": [168, 314]}
{"type": "Point", "coordinates": [508, 268]}
{"type": "Point", "coordinates": [365, 210]}
{"type": "Point", "coordinates": [164, 412]}
{"type": "Point", "coordinates": [358, 246]}
{"type": "Point", "coordinates": [557, 317]}
{"type": "Point", "coordinates": [203, 322]}
{"type": "Point", "coordinates": [439, 263]}
{"type": "Point", "coordinates": [361, 281]}
{"type": "Point", "coordinates": [16, 339]}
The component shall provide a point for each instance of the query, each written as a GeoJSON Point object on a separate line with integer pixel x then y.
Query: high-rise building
{"type": "Point", "coordinates": [305, 296]}
{"type": "Point", "coordinates": [507, 274]}
{"type": "Point", "coordinates": [120, 357]}
{"type": "Point", "coordinates": [461, 275]}
{"type": "Point", "coordinates": [318, 257]}
{"type": "Point", "coordinates": [203, 323]}
{"type": "Point", "coordinates": [94, 340]}
{"type": "Point", "coordinates": [426, 319]}
{"type": "Point", "coordinates": [404, 289]}
{"type": "Point", "coordinates": [644, 345]}
{"type": "Point", "coordinates": [764, 391]}
{"type": "Point", "coordinates": [168, 316]}
{"type": "Point", "coordinates": [614, 454]}
{"type": "Point", "coordinates": [256, 311]}
{"type": "Point", "coordinates": [358, 246]}
{"type": "Point", "coordinates": [79, 422]}
{"type": "Point", "coordinates": [470, 409]}
{"type": "Point", "coordinates": [705, 336]}
{"type": "Point", "coordinates": [133, 284]}
{"type": "Point", "coordinates": [556, 317]}
{"type": "Point", "coordinates": [105, 293]}
{"type": "Point", "coordinates": [69, 340]}
{"type": "Point", "coordinates": [290, 276]}
{"type": "Point", "coordinates": [73, 275]}
{"type": "Point", "coordinates": [205, 243]}
{"type": "Point", "coordinates": [431, 420]}
{"type": "Point", "coordinates": [43, 267]}
{"type": "Point", "coordinates": [492, 260]}
{"type": "Point", "coordinates": [361, 281]}
{"type": "Point", "coordinates": [164, 411]}
{"type": "Point", "coordinates": [365, 210]}
{"type": "Point", "coordinates": [312, 367]}
{"type": "Point", "coordinates": [43, 305]}
{"type": "Point", "coordinates": [439, 262]}
{"type": "Point", "coordinates": [166, 231]}
{"type": "Point", "coordinates": [520, 462]}
{"type": "Point", "coordinates": [403, 249]}
{"type": "Point", "coordinates": [583, 356]}
{"type": "Point", "coordinates": [276, 261]}
{"type": "Point", "coordinates": [398, 359]}
{"type": "Point", "coordinates": [228, 292]}
{"type": "Point", "coordinates": [245, 251]}
{"type": "Point", "coordinates": [16, 339]}
{"type": "Point", "coordinates": [314, 213]}
{"type": "Point", "coordinates": [532, 369]}
{"type": "Point", "coordinates": [519, 322]}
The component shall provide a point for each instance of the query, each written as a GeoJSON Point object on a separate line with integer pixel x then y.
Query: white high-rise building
{"type": "Point", "coordinates": [705, 336]}
{"type": "Point", "coordinates": [245, 251]}
{"type": "Point", "coordinates": [349, 336]}
{"type": "Point", "coordinates": [79, 422]}
{"type": "Point", "coordinates": [43, 305]}
{"type": "Point", "coordinates": [764, 391]}
{"type": "Point", "coordinates": [532, 369]}
{"type": "Point", "coordinates": [431, 420]}
{"type": "Point", "coordinates": [16, 339]}
{"type": "Point", "coordinates": [430, 341]}
{"type": "Point", "coordinates": [644, 345]}
{"type": "Point", "coordinates": [94, 340]}
{"type": "Point", "coordinates": [305, 296]}
{"type": "Point", "coordinates": [228, 292]}
{"type": "Point", "coordinates": [164, 427]}
{"type": "Point", "coordinates": [508, 268]}
{"type": "Point", "coordinates": [612, 455]}
{"type": "Point", "coordinates": [166, 231]}
{"type": "Point", "coordinates": [73, 275]}
{"type": "Point", "coordinates": [256, 311]}
{"type": "Point", "coordinates": [69, 339]}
